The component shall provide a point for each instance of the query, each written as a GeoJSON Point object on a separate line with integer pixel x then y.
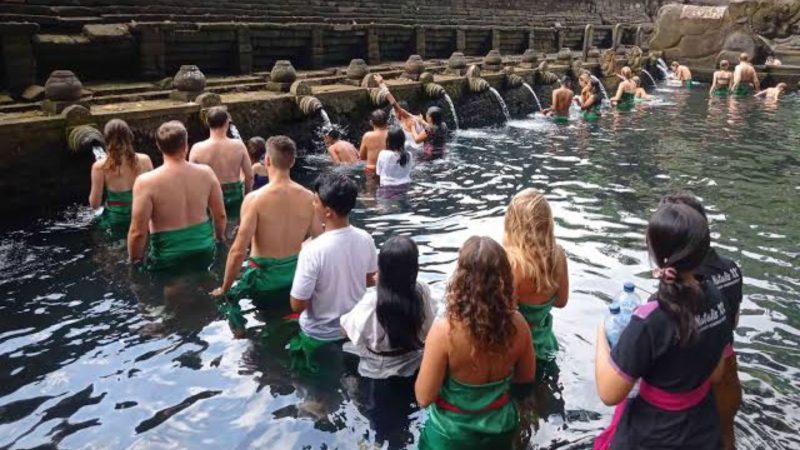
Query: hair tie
{"type": "Point", "coordinates": [667, 275]}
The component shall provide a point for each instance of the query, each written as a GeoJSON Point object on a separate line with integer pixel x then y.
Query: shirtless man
{"type": "Point", "coordinates": [171, 204]}
{"type": "Point", "coordinates": [682, 73]}
{"type": "Point", "coordinates": [276, 219]}
{"type": "Point", "coordinates": [773, 93]}
{"type": "Point", "coordinates": [721, 81]}
{"type": "Point", "coordinates": [374, 141]}
{"type": "Point", "coordinates": [341, 151]}
{"type": "Point", "coordinates": [562, 100]}
{"type": "Point", "coordinates": [745, 78]}
{"type": "Point", "coordinates": [228, 159]}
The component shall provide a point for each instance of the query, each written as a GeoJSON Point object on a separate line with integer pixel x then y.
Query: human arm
{"type": "Point", "coordinates": [216, 204]}
{"type": "Point", "coordinates": [719, 371]}
{"type": "Point", "coordinates": [756, 81]}
{"type": "Point", "coordinates": [590, 101]}
{"type": "Point", "coordinates": [612, 386]}
{"type": "Point", "coordinates": [238, 251]}
{"type": "Point", "coordinates": [563, 284]}
{"type": "Point", "coordinates": [141, 211]}
{"type": "Point", "coordinates": [419, 137]}
{"type": "Point", "coordinates": [334, 155]}
{"type": "Point", "coordinates": [761, 93]}
{"type": "Point", "coordinates": [98, 182]}
{"type": "Point", "coordinates": [145, 163]}
{"type": "Point", "coordinates": [433, 368]}
{"type": "Point", "coordinates": [713, 83]}
{"type": "Point", "coordinates": [620, 91]}
{"type": "Point", "coordinates": [193, 154]}
{"type": "Point", "coordinates": [305, 280]}
{"type": "Point", "coordinates": [362, 152]}
{"type": "Point", "coordinates": [247, 169]}
{"type": "Point", "coordinates": [737, 77]}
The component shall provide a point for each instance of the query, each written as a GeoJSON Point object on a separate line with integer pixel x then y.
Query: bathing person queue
{"type": "Point", "coordinates": [298, 245]}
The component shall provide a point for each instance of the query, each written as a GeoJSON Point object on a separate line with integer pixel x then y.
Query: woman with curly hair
{"type": "Point", "coordinates": [113, 176]}
{"type": "Point", "coordinates": [539, 265]}
{"type": "Point", "coordinates": [473, 354]}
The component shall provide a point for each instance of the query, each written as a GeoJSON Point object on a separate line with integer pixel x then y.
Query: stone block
{"type": "Point", "coordinates": [275, 86]}
{"type": "Point", "coordinates": [183, 96]}
{"type": "Point", "coordinates": [107, 32]}
{"type": "Point", "coordinates": [55, 107]}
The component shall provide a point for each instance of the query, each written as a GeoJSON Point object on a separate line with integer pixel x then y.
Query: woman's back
{"type": "Point", "coordinates": [119, 178]}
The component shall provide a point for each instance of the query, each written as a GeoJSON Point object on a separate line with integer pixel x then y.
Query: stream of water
{"type": "Point", "coordinates": [501, 102]}
{"type": "Point", "coordinates": [96, 355]}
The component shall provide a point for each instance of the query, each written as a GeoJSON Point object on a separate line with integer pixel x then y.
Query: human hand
{"type": "Point", "coordinates": [218, 292]}
{"type": "Point", "coordinates": [378, 78]}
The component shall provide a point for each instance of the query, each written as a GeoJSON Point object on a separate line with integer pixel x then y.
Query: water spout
{"type": "Point", "coordinates": [533, 93]}
{"type": "Point", "coordinates": [662, 66]}
{"type": "Point", "coordinates": [326, 121]}
{"type": "Point", "coordinates": [502, 103]}
{"type": "Point", "coordinates": [235, 132]}
{"type": "Point", "coordinates": [452, 108]}
{"type": "Point", "coordinates": [602, 88]}
{"type": "Point", "coordinates": [644, 71]}
{"type": "Point", "coordinates": [99, 152]}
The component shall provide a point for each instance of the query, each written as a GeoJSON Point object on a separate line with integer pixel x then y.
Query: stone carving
{"type": "Point", "coordinates": [544, 76]}
{"type": "Point", "coordinates": [189, 79]}
{"type": "Point", "coordinates": [434, 90]}
{"type": "Point", "coordinates": [577, 67]}
{"type": "Point", "coordinates": [283, 72]}
{"type": "Point", "coordinates": [457, 64]}
{"type": "Point", "coordinates": [513, 80]}
{"type": "Point", "coordinates": [474, 81]}
{"type": "Point", "coordinates": [357, 69]}
{"type": "Point", "coordinates": [83, 137]}
{"type": "Point", "coordinates": [493, 61]}
{"type": "Point", "coordinates": [635, 59]}
{"type": "Point", "coordinates": [300, 88]}
{"type": "Point", "coordinates": [413, 67]}
{"type": "Point", "coordinates": [63, 86]}
{"type": "Point", "coordinates": [530, 57]}
{"type": "Point", "coordinates": [608, 62]}
{"type": "Point", "coordinates": [564, 55]}
{"type": "Point", "coordinates": [426, 77]}
{"type": "Point", "coordinates": [309, 105]}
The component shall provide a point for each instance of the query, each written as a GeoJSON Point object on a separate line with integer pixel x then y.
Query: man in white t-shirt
{"type": "Point", "coordinates": [334, 270]}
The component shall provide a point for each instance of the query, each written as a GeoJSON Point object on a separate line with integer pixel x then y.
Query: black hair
{"type": "Point", "coordinates": [336, 191]}
{"type": "Point", "coordinates": [678, 238]}
{"type": "Point", "coordinates": [596, 86]}
{"type": "Point", "coordinates": [379, 118]}
{"type": "Point", "coordinates": [566, 81]}
{"type": "Point", "coordinates": [400, 309]}
{"type": "Point", "coordinates": [334, 134]}
{"type": "Point", "coordinates": [435, 114]}
{"type": "Point", "coordinates": [684, 198]}
{"type": "Point", "coordinates": [396, 142]}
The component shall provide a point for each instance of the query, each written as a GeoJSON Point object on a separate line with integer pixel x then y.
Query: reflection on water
{"type": "Point", "coordinates": [92, 355]}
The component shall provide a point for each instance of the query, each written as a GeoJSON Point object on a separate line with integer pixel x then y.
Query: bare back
{"type": "Point", "coordinates": [371, 145]}
{"type": "Point", "coordinates": [746, 73]}
{"type": "Point", "coordinates": [562, 100]}
{"type": "Point", "coordinates": [122, 178]}
{"type": "Point", "coordinates": [346, 152]}
{"type": "Point", "coordinates": [284, 214]}
{"type": "Point", "coordinates": [226, 157]}
{"type": "Point", "coordinates": [179, 195]}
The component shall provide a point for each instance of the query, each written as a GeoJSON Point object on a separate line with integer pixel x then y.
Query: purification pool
{"type": "Point", "coordinates": [93, 357]}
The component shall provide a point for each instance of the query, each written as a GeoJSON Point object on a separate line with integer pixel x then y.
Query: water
{"type": "Point", "coordinates": [234, 131]}
{"type": "Point", "coordinates": [452, 109]}
{"type": "Point", "coordinates": [602, 88]}
{"type": "Point", "coordinates": [662, 66]}
{"type": "Point", "coordinates": [91, 355]}
{"type": "Point", "coordinates": [502, 103]}
{"type": "Point", "coordinates": [326, 121]}
{"type": "Point", "coordinates": [652, 80]}
{"type": "Point", "coordinates": [99, 152]}
{"type": "Point", "coordinates": [535, 97]}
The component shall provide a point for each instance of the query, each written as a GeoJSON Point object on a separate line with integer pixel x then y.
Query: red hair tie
{"type": "Point", "coordinates": [667, 275]}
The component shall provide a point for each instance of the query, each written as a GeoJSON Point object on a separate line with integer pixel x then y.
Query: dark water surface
{"type": "Point", "coordinates": [93, 356]}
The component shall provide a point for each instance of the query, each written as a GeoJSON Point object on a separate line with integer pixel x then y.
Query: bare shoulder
{"type": "Point", "coordinates": [98, 165]}
{"type": "Point", "coordinates": [519, 322]}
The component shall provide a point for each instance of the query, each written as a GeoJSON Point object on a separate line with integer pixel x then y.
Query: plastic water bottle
{"type": "Point", "coordinates": [628, 299]}
{"type": "Point", "coordinates": [614, 324]}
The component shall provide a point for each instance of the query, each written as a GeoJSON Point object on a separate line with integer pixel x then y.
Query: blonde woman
{"type": "Point", "coordinates": [626, 92]}
{"type": "Point", "coordinates": [113, 176]}
{"type": "Point", "coordinates": [539, 265]}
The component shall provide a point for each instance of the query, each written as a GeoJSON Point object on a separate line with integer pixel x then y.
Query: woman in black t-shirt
{"type": "Point", "coordinates": [673, 345]}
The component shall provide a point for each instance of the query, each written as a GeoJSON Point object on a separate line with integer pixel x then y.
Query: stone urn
{"type": "Point", "coordinates": [564, 54]}
{"type": "Point", "coordinates": [493, 58]}
{"type": "Point", "coordinates": [530, 56]}
{"type": "Point", "coordinates": [457, 61]}
{"type": "Point", "coordinates": [594, 52]}
{"type": "Point", "coordinates": [282, 72]}
{"type": "Point", "coordinates": [357, 69]}
{"type": "Point", "coordinates": [63, 86]}
{"type": "Point", "coordinates": [189, 79]}
{"type": "Point", "coordinates": [415, 65]}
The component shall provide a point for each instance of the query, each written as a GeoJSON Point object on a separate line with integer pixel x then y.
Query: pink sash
{"type": "Point", "coordinates": [668, 401]}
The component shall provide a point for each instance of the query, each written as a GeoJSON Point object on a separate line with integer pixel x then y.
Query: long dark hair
{"type": "Point", "coordinates": [119, 144]}
{"type": "Point", "coordinates": [678, 239]}
{"type": "Point", "coordinates": [400, 305]}
{"type": "Point", "coordinates": [435, 115]}
{"type": "Point", "coordinates": [396, 142]}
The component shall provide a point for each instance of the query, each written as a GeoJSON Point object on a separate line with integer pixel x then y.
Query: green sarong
{"type": "Point", "coordinates": [559, 119]}
{"type": "Point", "coordinates": [626, 102]}
{"type": "Point", "coordinates": [742, 90]}
{"type": "Point", "coordinates": [541, 323]}
{"type": "Point", "coordinates": [303, 352]}
{"type": "Point", "coordinates": [265, 281]}
{"type": "Point", "coordinates": [190, 248]}
{"type": "Point", "coordinates": [592, 114]}
{"type": "Point", "coordinates": [721, 92]}
{"type": "Point", "coordinates": [116, 210]}
{"type": "Point", "coordinates": [233, 195]}
{"type": "Point", "coordinates": [688, 84]}
{"type": "Point", "coordinates": [471, 417]}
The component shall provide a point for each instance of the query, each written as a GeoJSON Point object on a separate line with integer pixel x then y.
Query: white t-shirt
{"type": "Point", "coordinates": [368, 338]}
{"type": "Point", "coordinates": [411, 144]}
{"type": "Point", "coordinates": [332, 275]}
{"type": "Point", "coordinates": [390, 171]}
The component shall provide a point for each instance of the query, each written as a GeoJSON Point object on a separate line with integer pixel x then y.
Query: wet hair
{"type": "Point", "coordinates": [119, 144]}
{"type": "Point", "coordinates": [596, 90]}
{"type": "Point", "coordinates": [282, 152]}
{"type": "Point", "coordinates": [480, 295]}
{"type": "Point", "coordinates": [256, 148]}
{"type": "Point", "coordinates": [585, 77]}
{"type": "Point", "coordinates": [678, 238]}
{"type": "Point", "coordinates": [336, 191]}
{"type": "Point", "coordinates": [744, 57]}
{"type": "Point", "coordinates": [396, 142]}
{"type": "Point", "coordinates": [400, 309]}
{"type": "Point", "coordinates": [724, 64]}
{"type": "Point", "coordinates": [334, 134]}
{"type": "Point", "coordinates": [626, 72]}
{"type": "Point", "coordinates": [684, 198]}
{"type": "Point", "coordinates": [171, 137]}
{"type": "Point", "coordinates": [566, 81]}
{"type": "Point", "coordinates": [379, 118]}
{"type": "Point", "coordinates": [530, 241]}
{"type": "Point", "coordinates": [217, 117]}
{"type": "Point", "coordinates": [637, 80]}
{"type": "Point", "coordinates": [783, 86]}
{"type": "Point", "coordinates": [435, 115]}
{"type": "Point", "coordinates": [674, 63]}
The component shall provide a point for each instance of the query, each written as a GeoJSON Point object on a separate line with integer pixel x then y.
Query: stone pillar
{"type": "Point", "coordinates": [616, 36]}
{"type": "Point", "coordinates": [373, 46]}
{"type": "Point", "coordinates": [560, 35]}
{"type": "Point", "coordinates": [17, 54]}
{"type": "Point", "coordinates": [244, 62]}
{"type": "Point", "coordinates": [152, 49]}
{"type": "Point", "coordinates": [496, 39]}
{"type": "Point", "coordinates": [588, 39]}
{"type": "Point", "coordinates": [421, 41]}
{"type": "Point", "coordinates": [461, 39]}
{"type": "Point", "coordinates": [317, 48]}
{"type": "Point", "coordinates": [531, 38]}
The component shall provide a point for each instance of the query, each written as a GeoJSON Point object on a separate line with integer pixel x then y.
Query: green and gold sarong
{"type": "Point", "coordinates": [743, 90]}
{"type": "Point", "coordinates": [627, 101]}
{"type": "Point", "coordinates": [265, 281]}
{"type": "Point", "coordinates": [116, 210]}
{"type": "Point", "coordinates": [467, 417]}
{"type": "Point", "coordinates": [592, 114]}
{"type": "Point", "coordinates": [303, 352]}
{"type": "Point", "coordinates": [721, 92]}
{"type": "Point", "coordinates": [190, 248]}
{"type": "Point", "coordinates": [559, 119]}
{"type": "Point", "coordinates": [233, 195]}
{"type": "Point", "coordinates": [541, 323]}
